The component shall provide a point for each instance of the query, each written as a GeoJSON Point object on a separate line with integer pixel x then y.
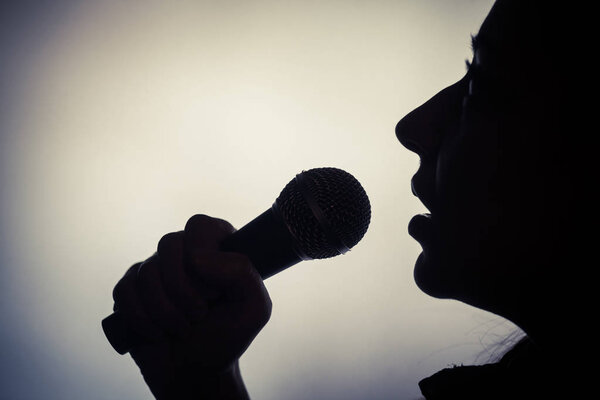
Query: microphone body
{"type": "Point", "coordinates": [267, 242]}
{"type": "Point", "coordinates": [321, 213]}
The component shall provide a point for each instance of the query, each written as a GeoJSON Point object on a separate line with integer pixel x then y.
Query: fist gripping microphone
{"type": "Point", "coordinates": [321, 213]}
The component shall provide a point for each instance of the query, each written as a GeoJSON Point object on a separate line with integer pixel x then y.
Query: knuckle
{"type": "Point", "coordinates": [267, 310]}
{"type": "Point", "coordinates": [124, 284]}
{"type": "Point", "coordinates": [118, 292]}
{"type": "Point", "coordinates": [224, 226]}
{"type": "Point", "coordinates": [261, 312]}
{"type": "Point", "coordinates": [145, 272]}
{"type": "Point", "coordinates": [169, 242]}
{"type": "Point", "coordinates": [258, 313]}
{"type": "Point", "coordinates": [204, 222]}
{"type": "Point", "coordinates": [197, 221]}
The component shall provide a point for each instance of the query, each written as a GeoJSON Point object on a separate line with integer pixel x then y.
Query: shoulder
{"type": "Point", "coordinates": [522, 373]}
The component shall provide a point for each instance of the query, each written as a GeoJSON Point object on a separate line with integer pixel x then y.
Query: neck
{"type": "Point", "coordinates": [541, 318]}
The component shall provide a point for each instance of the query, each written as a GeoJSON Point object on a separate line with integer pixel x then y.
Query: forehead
{"type": "Point", "coordinates": [508, 27]}
{"type": "Point", "coordinates": [521, 38]}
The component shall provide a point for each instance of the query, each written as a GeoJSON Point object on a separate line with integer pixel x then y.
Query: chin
{"type": "Point", "coordinates": [444, 277]}
{"type": "Point", "coordinates": [431, 279]}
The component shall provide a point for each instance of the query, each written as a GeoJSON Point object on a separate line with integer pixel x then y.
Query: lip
{"type": "Point", "coordinates": [420, 227]}
{"type": "Point", "coordinates": [422, 185]}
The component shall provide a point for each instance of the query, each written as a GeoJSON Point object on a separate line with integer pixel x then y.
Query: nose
{"type": "Point", "coordinates": [422, 130]}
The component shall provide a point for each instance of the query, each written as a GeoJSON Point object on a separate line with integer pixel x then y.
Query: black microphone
{"type": "Point", "coordinates": [321, 213]}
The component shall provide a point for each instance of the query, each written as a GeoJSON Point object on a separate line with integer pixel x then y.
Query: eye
{"type": "Point", "coordinates": [483, 90]}
{"type": "Point", "coordinates": [470, 87]}
{"type": "Point", "coordinates": [477, 83]}
{"type": "Point", "coordinates": [473, 78]}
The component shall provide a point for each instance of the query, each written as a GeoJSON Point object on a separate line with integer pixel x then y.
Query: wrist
{"type": "Point", "coordinates": [202, 384]}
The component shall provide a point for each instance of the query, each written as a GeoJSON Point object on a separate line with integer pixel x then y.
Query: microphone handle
{"type": "Point", "coordinates": [266, 241]}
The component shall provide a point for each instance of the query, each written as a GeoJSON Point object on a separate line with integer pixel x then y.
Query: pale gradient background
{"type": "Point", "coordinates": [121, 119]}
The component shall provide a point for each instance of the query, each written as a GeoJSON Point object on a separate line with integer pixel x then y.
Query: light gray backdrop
{"type": "Point", "coordinates": [121, 119]}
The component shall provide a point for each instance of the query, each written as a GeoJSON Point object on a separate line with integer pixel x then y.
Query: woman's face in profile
{"type": "Point", "coordinates": [483, 173]}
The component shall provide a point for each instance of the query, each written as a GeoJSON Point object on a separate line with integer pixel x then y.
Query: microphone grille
{"type": "Point", "coordinates": [341, 205]}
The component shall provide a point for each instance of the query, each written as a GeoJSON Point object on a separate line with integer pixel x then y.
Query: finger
{"type": "Point", "coordinates": [204, 233]}
{"type": "Point", "coordinates": [129, 305]}
{"type": "Point", "coordinates": [234, 275]}
{"type": "Point", "coordinates": [176, 282]}
{"type": "Point", "coordinates": [156, 302]}
{"type": "Point", "coordinates": [236, 319]}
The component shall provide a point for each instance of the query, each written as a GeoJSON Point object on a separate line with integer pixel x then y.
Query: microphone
{"type": "Point", "coordinates": [320, 213]}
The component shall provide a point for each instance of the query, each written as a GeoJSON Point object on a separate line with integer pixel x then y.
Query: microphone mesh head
{"type": "Point", "coordinates": [341, 199]}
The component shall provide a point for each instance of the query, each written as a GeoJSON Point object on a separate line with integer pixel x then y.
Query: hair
{"type": "Point", "coordinates": [496, 351]}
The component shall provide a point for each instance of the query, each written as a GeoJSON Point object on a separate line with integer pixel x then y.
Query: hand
{"type": "Point", "coordinates": [199, 308]}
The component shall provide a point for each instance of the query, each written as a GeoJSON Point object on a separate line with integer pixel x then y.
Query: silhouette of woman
{"type": "Point", "coordinates": [492, 162]}
{"type": "Point", "coordinates": [492, 167]}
